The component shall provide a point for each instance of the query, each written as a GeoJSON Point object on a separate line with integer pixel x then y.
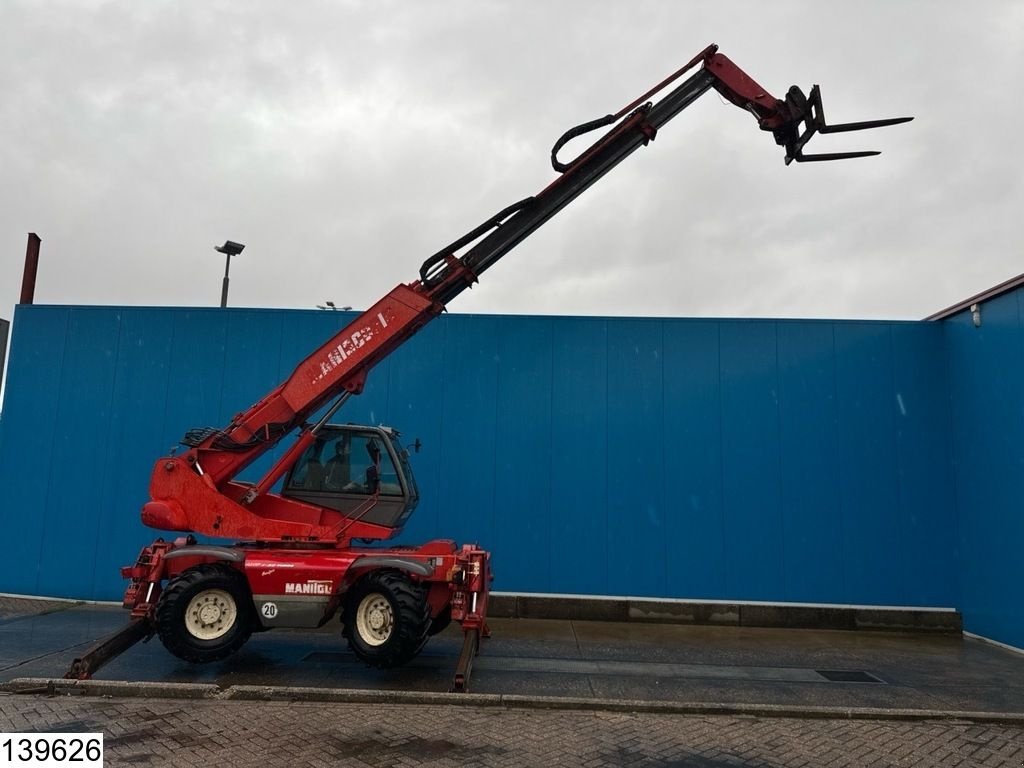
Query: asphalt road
{"type": "Point", "coordinates": [584, 659]}
{"type": "Point", "coordinates": [920, 687]}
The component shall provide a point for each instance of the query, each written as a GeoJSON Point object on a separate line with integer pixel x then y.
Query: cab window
{"type": "Point", "coordinates": [347, 463]}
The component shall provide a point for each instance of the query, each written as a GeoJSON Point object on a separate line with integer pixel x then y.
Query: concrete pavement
{"type": "Point", "coordinates": [586, 660]}
{"type": "Point", "coordinates": [546, 692]}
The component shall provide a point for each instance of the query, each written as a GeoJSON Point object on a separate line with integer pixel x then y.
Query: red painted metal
{"type": "Point", "coordinates": [339, 365]}
{"type": "Point", "coordinates": [739, 88]}
{"type": "Point", "coordinates": [181, 500]}
{"type": "Point", "coordinates": [28, 278]}
{"type": "Point", "coordinates": [703, 57]}
{"type": "Point", "coordinates": [460, 577]}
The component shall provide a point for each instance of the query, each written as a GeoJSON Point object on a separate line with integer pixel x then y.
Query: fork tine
{"type": "Point", "coordinates": [826, 156]}
{"type": "Point", "coordinates": [862, 125]}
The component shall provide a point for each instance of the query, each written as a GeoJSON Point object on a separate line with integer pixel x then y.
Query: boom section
{"type": "Point", "coordinates": [340, 366]}
{"type": "Point", "coordinates": [342, 363]}
{"type": "Point", "coordinates": [337, 367]}
{"type": "Point", "coordinates": [525, 217]}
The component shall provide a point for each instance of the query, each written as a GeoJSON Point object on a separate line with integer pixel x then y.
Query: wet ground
{"type": "Point", "coordinates": [584, 659]}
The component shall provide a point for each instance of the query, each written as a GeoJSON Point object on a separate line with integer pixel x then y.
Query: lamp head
{"type": "Point", "coordinates": [230, 247]}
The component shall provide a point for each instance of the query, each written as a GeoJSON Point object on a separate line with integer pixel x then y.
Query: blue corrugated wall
{"type": "Point", "coordinates": [986, 373]}
{"type": "Point", "coordinates": [747, 460]}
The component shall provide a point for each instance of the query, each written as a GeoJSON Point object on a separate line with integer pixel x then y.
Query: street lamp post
{"type": "Point", "coordinates": [229, 249]}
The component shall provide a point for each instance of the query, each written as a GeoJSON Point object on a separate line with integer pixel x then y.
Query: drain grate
{"type": "Point", "coordinates": [847, 676]}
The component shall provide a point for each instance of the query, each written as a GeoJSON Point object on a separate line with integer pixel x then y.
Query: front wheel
{"type": "Point", "coordinates": [386, 618]}
{"type": "Point", "coordinates": [205, 614]}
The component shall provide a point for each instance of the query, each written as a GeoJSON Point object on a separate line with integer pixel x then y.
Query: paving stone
{"type": "Point", "coordinates": [270, 733]}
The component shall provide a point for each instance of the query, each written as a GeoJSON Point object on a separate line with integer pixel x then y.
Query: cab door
{"type": "Point", "coordinates": [348, 467]}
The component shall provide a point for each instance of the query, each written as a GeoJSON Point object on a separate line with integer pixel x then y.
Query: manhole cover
{"type": "Point", "coordinates": [847, 676]}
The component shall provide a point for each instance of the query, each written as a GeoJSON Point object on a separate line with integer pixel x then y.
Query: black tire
{"type": "Point", "coordinates": [441, 621]}
{"type": "Point", "coordinates": [222, 595]}
{"type": "Point", "coordinates": [386, 618]}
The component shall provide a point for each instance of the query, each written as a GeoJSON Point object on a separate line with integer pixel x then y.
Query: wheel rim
{"type": "Point", "coordinates": [375, 620]}
{"type": "Point", "coordinates": [211, 614]}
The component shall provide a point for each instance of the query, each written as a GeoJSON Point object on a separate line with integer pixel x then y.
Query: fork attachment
{"type": "Point", "coordinates": [807, 111]}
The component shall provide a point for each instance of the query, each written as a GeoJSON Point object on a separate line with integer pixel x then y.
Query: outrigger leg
{"type": "Point", "coordinates": [109, 648]}
{"type": "Point", "coordinates": [464, 667]}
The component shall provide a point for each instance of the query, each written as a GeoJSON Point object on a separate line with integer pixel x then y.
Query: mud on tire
{"type": "Point", "coordinates": [386, 618]}
{"type": "Point", "coordinates": [205, 614]}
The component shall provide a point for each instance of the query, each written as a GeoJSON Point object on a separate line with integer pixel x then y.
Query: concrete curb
{"type": "Point", "coordinates": [359, 696]}
{"type": "Point", "coordinates": [16, 609]}
{"type": "Point", "coordinates": [112, 688]}
{"type": "Point", "coordinates": [724, 614]}
{"type": "Point", "coordinates": [127, 689]}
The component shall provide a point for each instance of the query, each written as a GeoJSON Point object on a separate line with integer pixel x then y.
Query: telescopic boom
{"type": "Point", "coordinates": [339, 367]}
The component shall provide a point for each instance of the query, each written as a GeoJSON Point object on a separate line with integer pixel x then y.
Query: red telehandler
{"type": "Point", "coordinates": [294, 563]}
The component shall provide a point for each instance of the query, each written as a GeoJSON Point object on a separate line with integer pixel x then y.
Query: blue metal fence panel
{"type": "Point", "coordinates": [579, 464]}
{"type": "Point", "coordinates": [869, 490]}
{"type": "Point", "coordinates": [31, 405]}
{"type": "Point", "coordinates": [416, 389]}
{"type": "Point", "coordinates": [136, 439]}
{"type": "Point", "coordinates": [524, 465]}
{"type": "Point", "coordinates": [986, 371]}
{"type": "Point", "coordinates": [467, 446]}
{"type": "Point", "coordinates": [695, 524]}
{"type": "Point", "coordinates": [755, 548]}
{"type": "Point", "coordinates": [923, 449]}
{"type": "Point", "coordinates": [636, 530]}
{"type": "Point", "coordinates": [196, 373]}
{"type": "Point", "coordinates": [75, 482]}
{"type": "Point", "coordinates": [744, 460]}
{"type": "Point", "coordinates": [252, 355]}
{"type": "Point", "coordinates": [809, 466]}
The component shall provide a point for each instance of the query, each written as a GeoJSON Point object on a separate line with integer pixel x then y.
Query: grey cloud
{"type": "Point", "coordinates": [344, 142]}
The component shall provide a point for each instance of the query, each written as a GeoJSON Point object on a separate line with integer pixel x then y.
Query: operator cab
{"type": "Point", "coordinates": [359, 471]}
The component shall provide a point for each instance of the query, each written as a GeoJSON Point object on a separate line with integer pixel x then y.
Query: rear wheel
{"type": "Point", "coordinates": [205, 614]}
{"type": "Point", "coordinates": [386, 618]}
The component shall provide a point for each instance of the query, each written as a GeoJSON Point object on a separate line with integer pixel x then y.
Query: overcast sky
{"type": "Point", "coordinates": [343, 142]}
